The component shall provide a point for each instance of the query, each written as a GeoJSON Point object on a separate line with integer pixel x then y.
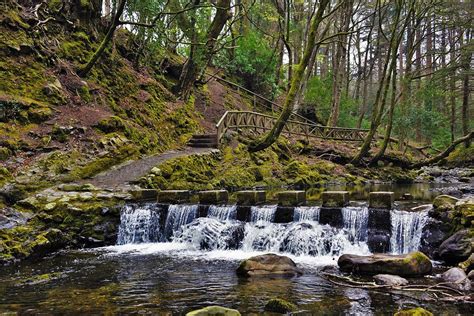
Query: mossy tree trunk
{"type": "Point", "coordinates": [445, 153]}
{"type": "Point", "coordinates": [268, 139]}
{"type": "Point", "coordinates": [201, 55]}
{"type": "Point", "coordinates": [84, 70]}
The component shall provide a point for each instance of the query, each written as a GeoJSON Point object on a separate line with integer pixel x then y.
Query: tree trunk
{"type": "Point", "coordinates": [445, 153]}
{"type": "Point", "coordinates": [268, 139]}
{"type": "Point", "coordinates": [466, 55]}
{"type": "Point", "coordinates": [83, 71]}
{"type": "Point", "coordinates": [339, 64]}
{"type": "Point", "coordinates": [201, 55]}
{"type": "Point", "coordinates": [384, 83]}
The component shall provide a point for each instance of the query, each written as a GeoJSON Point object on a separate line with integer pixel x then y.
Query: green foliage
{"type": "Point", "coordinates": [253, 62]}
{"type": "Point", "coordinates": [319, 95]}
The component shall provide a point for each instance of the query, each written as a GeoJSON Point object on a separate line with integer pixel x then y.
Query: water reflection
{"type": "Point", "coordinates": [93, 283]}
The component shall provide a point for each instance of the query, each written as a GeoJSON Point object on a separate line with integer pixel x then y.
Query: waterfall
{"type": "Point", "coordinates": [407, 229]}
{"type": "Point", "coordinates": [179, 215]}
{"type": "Point", "coordinates": [211, 233]}
{"type": "Point", "coordinates": [355, 221]}
{"type": "Point", "coordinates": [263, 213]}
{"type": "Point", "coordinates": [298, 238]}
{"type": "Point", "coordinates": [223, 212]}
{"type": "Point", "coordinates": [139, 224]}
{"type": "Point", "coordinates": [303, 213]}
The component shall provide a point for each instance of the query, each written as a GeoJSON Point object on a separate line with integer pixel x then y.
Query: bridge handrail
{"type": "Point", "coordinates": [220, 123]}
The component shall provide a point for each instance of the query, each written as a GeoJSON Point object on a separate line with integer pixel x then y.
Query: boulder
{"type": "Point", "coordinates": [214, 311]}
{"type": "Point", "coordinates": [389, 279]}
{"type": "Point", "coordinates": [444, 203]}
{"type": "Point", "coordinates": [470, 275]}
{"type": "Point", "coordinates": [457, 279]}
{"type": "Point", "coordinates": [280, 306]}
{"type": "Point", "coordinates": [414, 312]}
{"type": "Point", "coordinates": [456, 248]}
{"type": "Point", "coordinates": [268, 264]}
{"type": "Point", "coordinates": [412, 264]}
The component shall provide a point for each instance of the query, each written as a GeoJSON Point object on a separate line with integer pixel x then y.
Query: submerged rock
{"type": "Point", "coordinates": [268, 264]}
{"type": "Point", "coordinates": [277, 305]}
{"type": "Point", "coordinates": [457, 279]}
{"type": "Point", "coordinates": [389, 279]}
{"type": "Point", "coordinates": [412, 264]}
{"type": "Point", "coordinates": [214, 310]}
{"type": "Point", "coordinates": [456, 248]}
{"type": "Point", "coordinates": [414, 312]}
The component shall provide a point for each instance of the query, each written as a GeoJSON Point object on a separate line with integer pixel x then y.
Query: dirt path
{"type": "Point", "coordinates": [133, 170]}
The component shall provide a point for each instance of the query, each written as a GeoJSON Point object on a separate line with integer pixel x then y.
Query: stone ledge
{"type": "Point", "coordinates": [174, 196]}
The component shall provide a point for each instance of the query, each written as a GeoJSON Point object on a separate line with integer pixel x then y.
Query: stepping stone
{"type": "Point", "coordinates": [251, 197]}
{"type": "Point", "coordinates": [213, 197]}
{"type": "Point", "coordinates": [291, 198]}
{"type": "Point", "coordinates": [381, 199]}
{"type": "Point", "coordinates": [335, 198]}
{"type": "Point", "coordinates": [173, 196]}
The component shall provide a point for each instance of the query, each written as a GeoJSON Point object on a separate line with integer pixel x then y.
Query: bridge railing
{"type": "Point", "coordinates": [261, 123]}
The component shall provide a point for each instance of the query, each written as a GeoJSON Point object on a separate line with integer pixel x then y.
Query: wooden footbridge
{"type": "Point", "coordinates": [260, 123]}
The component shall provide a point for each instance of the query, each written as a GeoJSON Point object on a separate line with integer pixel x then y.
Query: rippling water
{"type": "Point", "coordinates": [170, 279]}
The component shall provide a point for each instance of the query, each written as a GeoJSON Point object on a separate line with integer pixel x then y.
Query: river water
{"type": "Point", "coordinates": [187, 262]}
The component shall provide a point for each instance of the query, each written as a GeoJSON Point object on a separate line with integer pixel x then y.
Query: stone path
{"type": "Point", "coordinates": [132, 170]}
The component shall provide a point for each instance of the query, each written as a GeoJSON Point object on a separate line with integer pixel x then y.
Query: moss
{"type": "Point", "coordinates": [54, 5]}
{"type": "Point", "coordinates": [5, 153]}
{"type": "Point", "coordinates": [98, 165]}
{"type": "Point", "coordinates": [414, 312]}
{"type": "Point", "coordinates": [277, 305]}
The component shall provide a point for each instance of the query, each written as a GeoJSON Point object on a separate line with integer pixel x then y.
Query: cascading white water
{"type": "Point", "coordinates": [355, 220]}
{"type": "Point", "coordinates": [179, 215]}
{"type": "Point", "coordinates": [304, 213]}
{"type": "Point", "coordinates": [211, 233]}
{"type": "Point", "coordinates": [223, 212]}
{"type": "Point", "coordinates": [263, 213]}
{"type": "Point", "coordinates": [220, 232]}
{"type": "Point", "coordinates": [139, 224]}
{"type": "Point", "coordinates": [407, 228]}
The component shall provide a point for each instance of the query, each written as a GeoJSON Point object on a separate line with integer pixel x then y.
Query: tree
{"type": "Point", "coordinates": [268, 139]}
{"type": "Point", "coordinates": [84, 70]}
{"type": "Point", "coordinates": [201, 54]}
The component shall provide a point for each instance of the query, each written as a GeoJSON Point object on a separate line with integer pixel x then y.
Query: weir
{"type": "Point", "coordinates": [217, 227]}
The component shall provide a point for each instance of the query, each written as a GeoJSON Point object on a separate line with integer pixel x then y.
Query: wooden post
{"type": "Point", "coordinates": [254, 103]}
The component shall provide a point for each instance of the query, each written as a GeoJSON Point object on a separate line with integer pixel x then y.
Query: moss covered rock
{"type": "Point", "coordinates": [214, 311]}
{"type": "Point", "coordinates": [268, 264]}
{"type": "Point", "coordinates": [278, 305]}
{"type": "Point", "coordinates": [414, 312]}
{"type": "Point", "coordinates": [412, 264]}
{"type": "Point", "coordinates": [444, 203]}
